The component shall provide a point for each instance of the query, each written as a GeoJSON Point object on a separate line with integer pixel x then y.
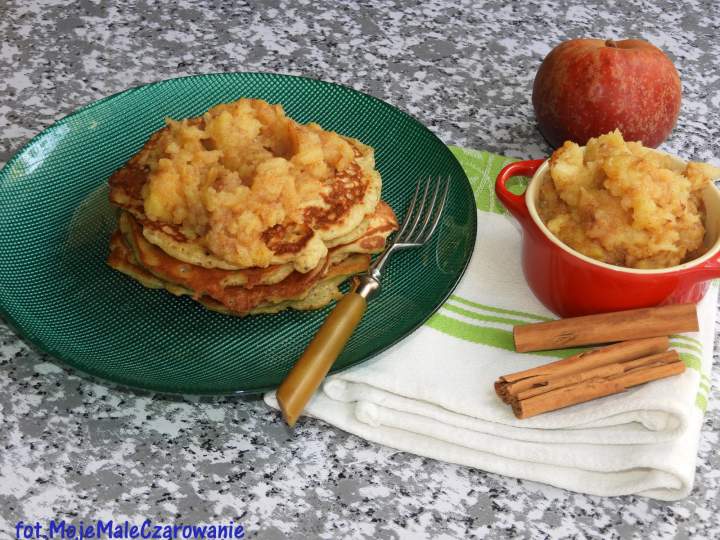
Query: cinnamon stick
{"type": "Point", "coordinates": [608, 371]}
{"type": "Point", "coordinates": [564, 397]}
{"type": "Point", "coordinates": [606, 328]}
{"type": "Point", "coordinates": [642, 376]}
{"type": "Point", "coordinates": [512, 384]}
{"type": "Point", "coordinates": [595, 383]}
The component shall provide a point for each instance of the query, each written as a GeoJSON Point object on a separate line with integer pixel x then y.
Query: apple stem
{"type": "Point", "coordinates": [610, 43]}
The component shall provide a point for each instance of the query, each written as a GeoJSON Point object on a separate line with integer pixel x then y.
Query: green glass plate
{"type": "Point", "coordinates": [55, 221]}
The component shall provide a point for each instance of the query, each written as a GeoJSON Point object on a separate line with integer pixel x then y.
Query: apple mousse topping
{"type": "Point", "coordinates": [624, 204]}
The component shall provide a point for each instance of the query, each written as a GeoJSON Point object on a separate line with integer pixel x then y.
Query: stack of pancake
{"type": "Point", "coordinates": [247, 211]}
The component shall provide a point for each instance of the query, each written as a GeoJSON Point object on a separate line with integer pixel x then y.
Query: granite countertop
{"type": "Point", "coordinates": [80, 449]}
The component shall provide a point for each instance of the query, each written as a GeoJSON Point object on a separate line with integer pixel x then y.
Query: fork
{"type": "Point", "coordinates": [421, 219]}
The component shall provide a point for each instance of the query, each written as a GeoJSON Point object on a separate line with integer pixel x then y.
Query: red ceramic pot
{"type": "Point", "coordinates": [570, 283]}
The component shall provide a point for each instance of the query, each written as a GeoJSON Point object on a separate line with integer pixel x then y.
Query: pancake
{"type": "Point", "coordinates": [122, 259]}
{"type": "Point", "coordinates": [322, 291]}
{"type": "Point", "coordinates": [321, 294]}
{"type": "Point", "coordinates": [375, 231]}
{"type": "Point", "coordinates": [154, 268]}
{"type": "Point", "coordinates": [381, 224]}
{"type": "Point", "coordinates": [259, 286]}
{"type": "Point", "coordinates": [347, 198]}
{"type": "Point", "coordinates": [353, 235]}
{"type": "Point", "coordinates": [244, 186]}
{"type": "Point", "coordinates": [209, 282]}
{"type": "Point", "coordinates": [169, 268]}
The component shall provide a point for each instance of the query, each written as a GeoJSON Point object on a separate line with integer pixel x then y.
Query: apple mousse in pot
{"type": "Point", "coordinates": [624, 204]}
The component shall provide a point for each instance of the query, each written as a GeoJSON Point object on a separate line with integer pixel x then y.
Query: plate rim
{"type": "Point", "coordinates": [60, 358]}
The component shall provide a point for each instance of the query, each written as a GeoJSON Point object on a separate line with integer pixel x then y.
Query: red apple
{"type": "Point", "coordinates": [587, 87]}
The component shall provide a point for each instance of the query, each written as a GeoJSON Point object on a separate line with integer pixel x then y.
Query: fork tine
{"type": "Point", "coordinates": [428, 213]}
{"type": "Point", "coordinates": [419, 213]}
{"type": "Point", "coordinates": [409, 211]}
{"type": "Point", "coordinates": [441, 207]}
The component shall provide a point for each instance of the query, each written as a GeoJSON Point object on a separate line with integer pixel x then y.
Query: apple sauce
{"type": "Point", "coordinates": [624, 204]}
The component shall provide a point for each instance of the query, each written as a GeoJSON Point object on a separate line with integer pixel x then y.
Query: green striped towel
{"type": "Point", "coordinates": [433, 394]}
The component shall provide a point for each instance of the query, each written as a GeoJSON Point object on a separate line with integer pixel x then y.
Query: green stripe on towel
{"type": "Point", "coordinates": [691, 361]}
{"type": "Point", "coordinates": [480, 316]}
{"type": "Point", "coordinates": [502, 339]}
{"type": "Point", "coordinates": [688, 346]}
{"type": "Point", "coordinates": [482, 168]}
{"type": "Point", "coordinates": [486, 335]}
{"type": "Point", "coordinates": [498, 310]}
{"type": "Point", "coordinates": [701, 402]}
{"type": "Point", "coordinates": [686, 338]}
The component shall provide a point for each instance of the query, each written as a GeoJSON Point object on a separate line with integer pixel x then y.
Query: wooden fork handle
{"type": "Point", "coordinates": [319, 356]}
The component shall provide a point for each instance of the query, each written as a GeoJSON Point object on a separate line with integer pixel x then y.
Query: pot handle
{"type": "Point", "coordinates": [515, 203]}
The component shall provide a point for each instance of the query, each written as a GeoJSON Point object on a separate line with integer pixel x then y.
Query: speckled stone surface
{"type": "Point", "coordinates": [83, 450]}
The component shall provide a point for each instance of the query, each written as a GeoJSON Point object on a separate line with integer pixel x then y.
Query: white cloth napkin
{"type": "Point", "coordinates": [433, 393]}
